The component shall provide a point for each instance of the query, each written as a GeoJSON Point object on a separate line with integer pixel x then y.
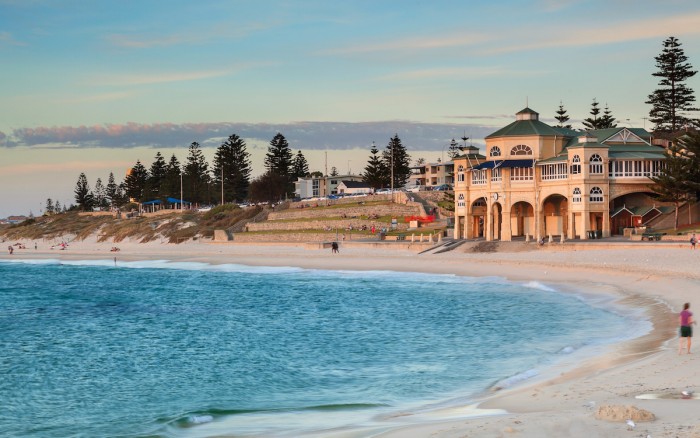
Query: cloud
{"type": "Point", "coordinates": [6, 39]}
{"type": "Point", "coordinates": [102, 97]}
{"type": "Point", "coordinates": [160, 78]}
{"type": "Point", "coordinates": [200, 36]}
{"type": "Point", "coordinates": [412, 44]}
{"type": "Point", "coordinates": [464, 72]}
{"type": "Point", "coordinates": [615, 32]}
{"type": "Point", "coordinates": [65, 167]}
{"type": "Point", "coordinates": [301, 135]}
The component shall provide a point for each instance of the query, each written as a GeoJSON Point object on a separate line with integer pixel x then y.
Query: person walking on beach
{"type": "Point", "coordinates": [686, 331]}
{"type": "Point", "coordinates": [334, 247]}
{"type": "Point", "coordinates": [693, 241]}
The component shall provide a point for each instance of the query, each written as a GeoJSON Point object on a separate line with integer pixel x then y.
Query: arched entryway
{"type": "Point", "coordinates": [477, 224]}
{"type": "Point", "coordinates": [522, 219]}
{"type": "Point", "coordinates": [555, 210]}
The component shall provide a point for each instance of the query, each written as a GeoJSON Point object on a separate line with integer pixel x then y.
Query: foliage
{"type": "Point", "coordinates": [376, 173]}
{"type": "Point", "coordinates": [278, 159]}
{"type": "Point", "coordinates": [607, 121]}
{"type": "Point", "coordinates": [689, 146]}
{"type": "Point", "coordinates": [671, 185]}
{"type": "Point", "coordinates": [453, 151]}
{"type": "Point", "coordinates": [135, 182]}
{"type": "Point", "coordinates": [269, 187]}
{"type": "Point", "coordinates": [562, 117]}
{"type": "Point", "coordinates": [111, 191]}
{"type": "Point", "coordinates": [592, 123]}
{"type": "Point", "coordinates": [171, 185]}
{"type": "Point", "coordinates": [300, 167]}
{"type": "Point", "coordinates": [396, 158]}
{"type": "Point", "coordinates": [673, 99]}
{"type": "Point", "coordinates": [83, 195]}
{"type": "Point", "coordinates": [100, 194]}
{"type": "Point", "coordinates": [278, 162]}
{"type": "Point", "coordinates": [232, 164]}
{"type": "Point", "coordinates": [156, 176]}
{"type": "Point", "coordinates": [196, 177]}
{"type": "Point", "coordinates": [49, 208]}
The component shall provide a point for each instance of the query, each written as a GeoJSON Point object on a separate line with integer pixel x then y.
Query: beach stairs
{"type": "Point", "coordinates": [687, 214]}
{"type": "Point", "coordinates": [444, 246]}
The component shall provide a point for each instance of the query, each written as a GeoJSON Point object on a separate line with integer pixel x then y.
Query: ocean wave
{"type": "Point", "coordinates": [516, 379]}
{"type": "Point", "coordinates": [32, 261]}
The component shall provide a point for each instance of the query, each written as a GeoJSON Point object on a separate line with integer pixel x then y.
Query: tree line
{"type": "Point", "coordinates": [228, 178]}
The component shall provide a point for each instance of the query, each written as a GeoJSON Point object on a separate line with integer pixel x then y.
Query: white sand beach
{"type": "Point", "coordinates": [655, 277]}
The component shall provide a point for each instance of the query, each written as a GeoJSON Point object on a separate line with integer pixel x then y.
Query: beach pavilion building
{"type": "Point", "coordinates": [539, 180]}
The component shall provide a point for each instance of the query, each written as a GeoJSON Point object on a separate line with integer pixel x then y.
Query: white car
{"type": "Point", "coordinates": [413, 189]}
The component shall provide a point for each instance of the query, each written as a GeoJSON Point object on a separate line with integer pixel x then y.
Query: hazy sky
{"type": "Point", "coordinates": [95, 85]}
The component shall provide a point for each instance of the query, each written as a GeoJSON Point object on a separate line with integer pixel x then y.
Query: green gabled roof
{"type": "Point", "coordinates": [636, 155]}
{"type": "Point", "coordinates": [636, 211]}
{"type": "Point", "coordinates": [559, 158]}
{"type": "Point", "coordinates": [521, 128]}
{"type": "Point", "coordinates": [604, 134]}
{"type": "Point", "coordinates": [590, 144]}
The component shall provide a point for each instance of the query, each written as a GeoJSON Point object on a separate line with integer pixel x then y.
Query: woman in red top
{"type": "Point", "coordinates": [686, 320]}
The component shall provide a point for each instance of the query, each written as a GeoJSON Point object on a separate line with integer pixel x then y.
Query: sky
{"type": "Point", "coordinates": [92, 86]}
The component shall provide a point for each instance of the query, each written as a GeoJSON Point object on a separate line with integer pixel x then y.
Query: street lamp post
{"type": "Point", "coordinates": [392, 171]}
{"type": "Point", "coordinates": [222, 184]}
{"type": "Point", "coordinates": [181, 200]}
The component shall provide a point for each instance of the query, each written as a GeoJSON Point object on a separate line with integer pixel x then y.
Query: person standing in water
{"type": "Point", "coordinates": [686, 331]}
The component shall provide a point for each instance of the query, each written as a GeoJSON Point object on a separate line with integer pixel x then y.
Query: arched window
{"type": "Point", "coordinates": [596, 164]}
{"type": "Point", "coordinates": [521, 149]}
{"type": "Point", "coordinates": [575, 165]}
{"type": "Point", "coordinates": [495, 152]}
{"type": "Point", "coordinates": [596, 195]}
{"type": "Point", "coordinates": [460, 168]}
{"type": "Point", "coordinates": [577, 195]}
{"type": "Point", "coordinates": [460, 200]}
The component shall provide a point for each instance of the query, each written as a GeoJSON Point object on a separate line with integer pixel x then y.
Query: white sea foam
{"type": "Point", "coordinates": [516, 379]}
{"type": "Point", "coordinates": [33, 261]}
{"type": "Point", "coordinates": [200, 419]}
{"type": "Point", "coordinates": [539, 286]}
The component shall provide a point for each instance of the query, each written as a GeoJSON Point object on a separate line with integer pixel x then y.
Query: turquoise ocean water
{"type": "Point", "coordinates": [159, 349]}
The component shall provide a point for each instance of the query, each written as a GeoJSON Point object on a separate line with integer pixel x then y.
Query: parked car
{"type": "Point", "coordinates": [414, 189]}
{"type": "Point", "coordinates": [442, 188]}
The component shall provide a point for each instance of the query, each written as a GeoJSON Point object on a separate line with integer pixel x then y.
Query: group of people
{"type": "Point", "coordinates": [18, 245]}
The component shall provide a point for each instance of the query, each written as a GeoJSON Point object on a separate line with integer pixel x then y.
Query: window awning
{"type": "Point", "coordinates": [504, 163]}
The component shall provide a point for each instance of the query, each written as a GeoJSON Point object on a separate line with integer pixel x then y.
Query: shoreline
{"type": "Point", "coordinates": [540, 407]}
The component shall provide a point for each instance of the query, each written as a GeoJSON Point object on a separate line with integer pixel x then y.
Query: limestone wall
{"type": "Point", "coordinates": [350, 211]}
{"type": "Point", "coordinates": [341, 224]}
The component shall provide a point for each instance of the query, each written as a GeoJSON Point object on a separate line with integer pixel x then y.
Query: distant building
{"type": "Point", "coordinates": [437, 174]}
{"type": "Point", "coordinates": [539, 180]}
{"type": "Point", "coordinates": [320, 186]}
{"type": "Point", "coordinates": [353, 188]}
{"type": "Point", "coordinates": [15, 219]}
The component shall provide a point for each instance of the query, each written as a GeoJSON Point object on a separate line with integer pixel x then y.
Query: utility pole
{"type": "Point", "coordinates": [181, 200]}
{"type": "Point", "coordinates": [222, 184]}
{"type": "Point", "coordinates": [392, 171]}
